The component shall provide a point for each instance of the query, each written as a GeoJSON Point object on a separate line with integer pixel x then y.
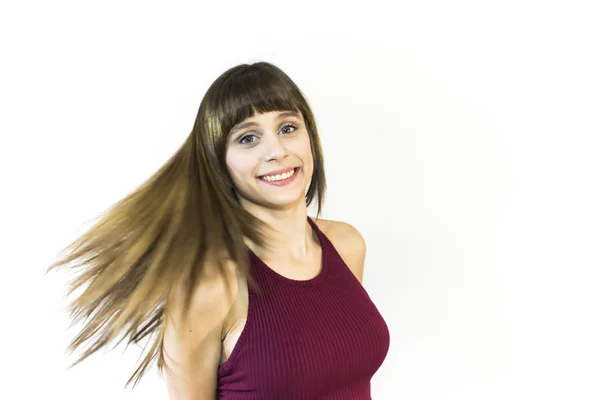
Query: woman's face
{"type": "Point", "coordinates": [264, 144]}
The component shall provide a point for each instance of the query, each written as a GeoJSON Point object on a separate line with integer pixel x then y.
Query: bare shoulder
{"type": "Point", "coordinates": [348, 241]}
{"type": "Point", "coordinates": [214, 290]}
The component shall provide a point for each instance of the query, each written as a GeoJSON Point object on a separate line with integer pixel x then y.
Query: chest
{"type": "Point", "coordinates": [237, 320]}
{"type": "Point", "coordinates": [319, 340]}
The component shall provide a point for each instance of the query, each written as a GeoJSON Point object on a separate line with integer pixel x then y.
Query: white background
{"type": "Point", "coordinates": [461, 138]}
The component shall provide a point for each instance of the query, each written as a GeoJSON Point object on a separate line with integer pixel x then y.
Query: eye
{"type": "Point", "coordinates": [242, 139]}
{"type": "Point", "coordinates": [288, 125]}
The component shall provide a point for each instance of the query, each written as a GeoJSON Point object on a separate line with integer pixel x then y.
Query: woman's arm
{"type": "Point", "coordinates": [192, 342]}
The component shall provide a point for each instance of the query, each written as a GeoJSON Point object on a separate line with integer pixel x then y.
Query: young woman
{"type": "Point", "coordinates": [215, 259]}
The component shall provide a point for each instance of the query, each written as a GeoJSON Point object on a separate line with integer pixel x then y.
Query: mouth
{"type": "Point", "coordinates": [283, 178]}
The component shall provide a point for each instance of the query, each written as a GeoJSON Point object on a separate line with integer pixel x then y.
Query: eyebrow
{"type": "Point", "coordinates": [252, 123]}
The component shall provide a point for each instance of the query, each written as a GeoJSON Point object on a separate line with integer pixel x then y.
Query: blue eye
{"type": "Point", "coordinates": [242, 139]}
{"type": "Point", "coordinates": [288, 125]}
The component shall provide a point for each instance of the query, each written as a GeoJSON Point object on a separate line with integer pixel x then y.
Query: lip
{"type": "Point", "coordinates": [279, 171]}
{"type": "Point", "coordinates": [283, 182]}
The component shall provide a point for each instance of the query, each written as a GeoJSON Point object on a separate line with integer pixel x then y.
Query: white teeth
{"type": "Point", "coordinates": [278, 177]}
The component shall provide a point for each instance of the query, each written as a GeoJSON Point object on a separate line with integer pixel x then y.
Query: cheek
{"type": "Point", "coordinates": [306, 154]}
{"type": "Point", "coordinates": [239, 168]}
{"type": "Point", "coordinates": [300, 147]}
{"type": "Point", "coordinates": [233, 167]}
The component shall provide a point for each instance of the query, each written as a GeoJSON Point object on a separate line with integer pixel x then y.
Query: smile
{"type": "Point", "coordinates": [280, 179]}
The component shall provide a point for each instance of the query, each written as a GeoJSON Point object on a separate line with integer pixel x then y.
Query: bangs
{"type": "Point", "coordinates": [256, 91]}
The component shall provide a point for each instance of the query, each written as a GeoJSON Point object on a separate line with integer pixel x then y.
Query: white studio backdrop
{"type": "Point", "coordinates": [460, 138]}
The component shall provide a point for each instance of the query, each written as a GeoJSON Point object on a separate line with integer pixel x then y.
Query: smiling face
{"type": "Point", "coordinates": [268, 143]}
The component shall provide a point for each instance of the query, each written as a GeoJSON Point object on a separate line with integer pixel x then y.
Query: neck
{"type": "Point", "coordinates": [290, 235]}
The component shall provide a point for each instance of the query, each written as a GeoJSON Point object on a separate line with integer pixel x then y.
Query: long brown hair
{"type": "Point", "coordinates": [185, 215]}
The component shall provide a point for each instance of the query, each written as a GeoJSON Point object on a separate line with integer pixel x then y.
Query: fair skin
{"type": "Point", "coordinates": [275, 141]}
{"type": "Point", "coordinates": [197, 343]}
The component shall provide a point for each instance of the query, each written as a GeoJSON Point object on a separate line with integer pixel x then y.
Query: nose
{"type": "Point", "coordinates": [274, 147]}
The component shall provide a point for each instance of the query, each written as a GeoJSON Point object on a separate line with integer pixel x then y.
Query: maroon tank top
{"type": "Point", "coordinates": [321, 338]}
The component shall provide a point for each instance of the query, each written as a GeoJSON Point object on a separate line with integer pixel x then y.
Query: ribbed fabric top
{"type": "Point", "coordinates": [321, 338]}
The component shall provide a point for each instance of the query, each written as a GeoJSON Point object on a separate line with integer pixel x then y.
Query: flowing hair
{"type": "Point", "coordinates": [129, 264]}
